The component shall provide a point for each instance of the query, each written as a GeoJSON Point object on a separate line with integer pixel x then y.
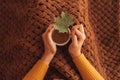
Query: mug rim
{"type": "Point", "coordinates": [62, 44]}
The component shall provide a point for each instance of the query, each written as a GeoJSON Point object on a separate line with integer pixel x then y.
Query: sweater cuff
{"type": "Point", "coordinates": [81, 56]}
{"type": "Point", "coordinates": [42, 62]}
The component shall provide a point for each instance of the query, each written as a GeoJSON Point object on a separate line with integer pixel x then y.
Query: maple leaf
{"type": "Point", "coordinates": [63, 22]}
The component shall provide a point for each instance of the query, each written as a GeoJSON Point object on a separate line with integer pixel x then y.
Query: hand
{"type": "Point", "coordinates": [78, 37]}
{"type": "Point", "coordinates": [49, 45]}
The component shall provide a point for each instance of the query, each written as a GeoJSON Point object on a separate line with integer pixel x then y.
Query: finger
{"type": "Point", "coordinates": [44, 38]}
{"type": "Point", "coordinates": [73, 37]}
{"type": "Point", "coordinates": [78, 33]}
{"type": "Point", "coordinates": [81, 29]}
{"type": "Point", "coordinates": [50, 27]}
{"type": "Point", "coordinates": [76, 27]}
{"type": "Point", "coordinates": [49, 39]}
{"type": "Point", "coordinates": [49, 33]}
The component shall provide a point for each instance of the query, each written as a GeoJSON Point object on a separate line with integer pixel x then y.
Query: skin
{"type": "Point", "coordinates": [49, 45]}
{"type": "Point", "coordinates": [77, 35]}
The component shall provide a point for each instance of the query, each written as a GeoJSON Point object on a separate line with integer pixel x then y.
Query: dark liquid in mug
{"type": "Point", "coordinates": [59, 37]}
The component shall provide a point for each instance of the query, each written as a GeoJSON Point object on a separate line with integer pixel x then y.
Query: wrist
{"type": "Point", "coordinates": [47, 58]}
{"type": "Point", "coordinates": [49, 52]}
{"type": "Point", "coordinates": [75, 54]}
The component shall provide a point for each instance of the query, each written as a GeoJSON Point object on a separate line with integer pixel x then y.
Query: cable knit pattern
{"type": "Point", "coordinates": [22, 23]}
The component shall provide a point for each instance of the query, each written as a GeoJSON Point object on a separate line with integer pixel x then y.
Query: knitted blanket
{"type": "Point", "coordinates": [22, 23]}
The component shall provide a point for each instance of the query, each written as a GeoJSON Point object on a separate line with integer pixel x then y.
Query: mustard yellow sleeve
{"type": "Point", "coordinates": [87, 71]}
{"type": "Point", "coordinates": [37, 72]}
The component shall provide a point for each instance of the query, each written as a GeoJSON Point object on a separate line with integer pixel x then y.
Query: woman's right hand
{"type": "Point", "coordinates": [49, 45]}
{"type": "Point", "coordinates": [78, 36]}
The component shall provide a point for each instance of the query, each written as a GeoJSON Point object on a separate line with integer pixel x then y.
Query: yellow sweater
{"type": "Point", "coordinates": [87, 71]}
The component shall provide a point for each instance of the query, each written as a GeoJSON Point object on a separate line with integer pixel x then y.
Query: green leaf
{"type": "Point", "coordinates": [63, 22]}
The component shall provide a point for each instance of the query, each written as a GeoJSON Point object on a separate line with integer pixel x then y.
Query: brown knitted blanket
{"type": "Point", "coordinates": [23, 21]}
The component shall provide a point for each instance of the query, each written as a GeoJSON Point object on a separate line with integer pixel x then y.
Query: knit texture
{"type": "Point", "coordinates": [22, 23]}
{"type": "Point", "coordinates": [37, 72]}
